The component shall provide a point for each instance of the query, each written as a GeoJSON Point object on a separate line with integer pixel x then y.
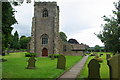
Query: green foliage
{"type": "Point", "coordinates": [8, 19]}
{"type": "Point", "coordinates": [97, 48]}
{"type": "Point", "coordinates": [27, 54]}
{"type": "Point", "coordinates": [16, 44]}
{"type": "Point", "coordinates": [63, 36]}
{"type": "Point", "coordinates": [110, 35]}
{"type": "Point", "coordinates": [24, 41]}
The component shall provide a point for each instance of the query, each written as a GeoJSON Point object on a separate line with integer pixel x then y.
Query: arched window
{"type": "Point", "coordinates": [45, 13]}
{"type": "Point", "coordinates": [44, 39]}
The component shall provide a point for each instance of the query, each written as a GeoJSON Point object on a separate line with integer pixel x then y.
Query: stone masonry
{"type": "Point", "coordinates": [45, 23]}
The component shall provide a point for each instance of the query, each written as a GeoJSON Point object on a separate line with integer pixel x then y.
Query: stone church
{"type": "Point", "coordinates": [45, 38]}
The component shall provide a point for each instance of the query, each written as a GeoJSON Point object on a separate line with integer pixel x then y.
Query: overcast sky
{"type": "Point", "coordinates": [79, 19]}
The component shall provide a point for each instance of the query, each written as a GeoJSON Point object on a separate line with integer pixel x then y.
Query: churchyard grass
{"type": "Point", "coordinates": [15, 66]}
{"type": "Point", "coordinates": [104, 69]}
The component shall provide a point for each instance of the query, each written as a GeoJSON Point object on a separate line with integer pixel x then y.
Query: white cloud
{"type": "Point", "coordinates": [88, 37]}
{"type": "Point", "coordinates": [24, 17]}
{"type": "Point", "coordinates": [79, 19]}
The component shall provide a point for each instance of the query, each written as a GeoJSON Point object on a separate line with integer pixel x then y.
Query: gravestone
{"type": "Point", "coordinates": [108, 56]}
{"type": "Point", "coordinates": [61, 62]}
{"type": "Point", "coordinates": [114, 67]}
{"type": "Point", "coordinates": [94, 69]}
{"type": "Point", "coordinates": [31, 63]}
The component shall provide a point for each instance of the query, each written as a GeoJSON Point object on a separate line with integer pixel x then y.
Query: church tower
{"type": "Point", "coordinates": [45, 29]}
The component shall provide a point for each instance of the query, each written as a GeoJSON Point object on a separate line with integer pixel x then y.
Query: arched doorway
{"type": "Point", "coordinates": [44, 52]}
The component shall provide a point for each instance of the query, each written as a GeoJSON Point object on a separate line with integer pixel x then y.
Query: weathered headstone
{"type": "Point", "coordinates": [94, 69]}
{"type": "Point", "coordinates": [114, 67]}
{"type": "Point", "coordinates": [108, 56]}
{"type": "Point", "coordinates": [31, 63]}
{"type": "Point", "coordinates": [61, 62]}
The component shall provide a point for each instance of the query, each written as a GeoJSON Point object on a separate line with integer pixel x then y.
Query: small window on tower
{"type": "Point", "coordinates": [44, 39]}
{"type": "Point", "coordinates": [45, 13]}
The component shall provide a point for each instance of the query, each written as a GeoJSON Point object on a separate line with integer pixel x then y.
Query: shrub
{"type": "Point", "coordinates": [30, 54]}
{"type": "Point", "coordinates": [3, 60]}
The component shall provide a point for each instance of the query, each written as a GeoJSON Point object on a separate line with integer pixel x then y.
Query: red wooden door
{"type": "Point", "coordinates": [44, 52]}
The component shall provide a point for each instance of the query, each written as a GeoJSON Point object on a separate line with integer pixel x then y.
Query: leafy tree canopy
{"type": "Point", "coordinates": [63, 36]}
{"type": "Point", "coordinates": [24, 41]}
{"type": "Point", "coordinates": [110, 35]}
{"type": "Point", "coordinates": [16, 44]}
{"type": "Point", "coordinates": [97, 48]}
{"type": "Point", "coordinates": [8, 19]}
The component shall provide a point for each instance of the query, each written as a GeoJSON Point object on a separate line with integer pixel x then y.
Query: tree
{"type": "Point", "coordinates": [73, 41]}
{"type": "Point", "coordinates": [8, 19]}
{"type": "Point", "coordinates": [16, 44]}
{"type": "Point", "coordinates": [97, 48]}
{"type": "Point", "coordinates": [110, 35]}
{"type": "Point", "coordinates": [63, 36]}
{"type": "Point", "coordinates": [24, 41]}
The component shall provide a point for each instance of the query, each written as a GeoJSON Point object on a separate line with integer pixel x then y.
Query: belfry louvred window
{"type": "Point", "coordinates": [45, 13]}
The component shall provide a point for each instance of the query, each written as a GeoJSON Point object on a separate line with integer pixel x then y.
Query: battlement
{"type": "Point", "coordinates": [45, 3]}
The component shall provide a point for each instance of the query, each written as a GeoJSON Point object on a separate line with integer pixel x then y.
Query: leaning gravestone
{"type": "Point", "coordinates": [94, 69]}
{"type": "Point", "coordinates": [114, 67]}
{"type": "Point", "coordinates": [108, 56]}
{"type": "Point", "coordinates": [31, 63]}
{"type": "Point", "coordinates": [61, 62]}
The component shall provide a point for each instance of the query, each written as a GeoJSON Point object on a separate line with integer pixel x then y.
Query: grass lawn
{"type": "Point", "coordinates": [104, 69]}
{"type": "Point", "coordinates": [16, 63]}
